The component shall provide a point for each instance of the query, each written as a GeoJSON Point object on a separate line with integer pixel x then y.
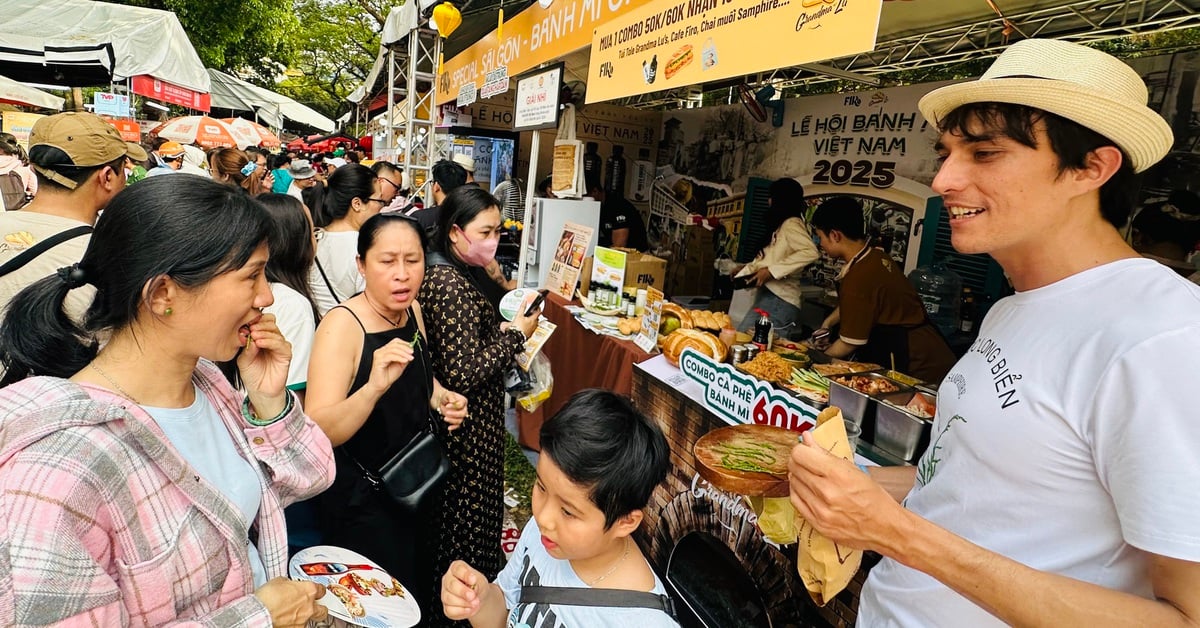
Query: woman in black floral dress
{"type": "Point", "coordinates": [471, 351]}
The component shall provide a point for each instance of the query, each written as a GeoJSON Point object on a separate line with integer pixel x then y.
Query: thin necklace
{"type": "Point", "coordinates": [372, 306]}
{"type": "Point", "coordinates": [614, 567]}
{"type": "Point", "coordinates": [99, 370]}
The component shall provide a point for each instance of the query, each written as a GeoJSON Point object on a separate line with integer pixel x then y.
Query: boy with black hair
{"type": "Point", "coordinates": [601, 459]}
{"type": "Point", "coordinates": [881, 317]}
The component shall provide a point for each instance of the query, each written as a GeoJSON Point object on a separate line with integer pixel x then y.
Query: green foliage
{"type": "Point", "coordinates": [236, 35]}
{"type": "Point", "coordinates": [337, 43]}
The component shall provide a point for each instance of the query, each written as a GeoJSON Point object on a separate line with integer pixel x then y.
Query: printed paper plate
{"type": "Point", "coordinates": [356, 589]}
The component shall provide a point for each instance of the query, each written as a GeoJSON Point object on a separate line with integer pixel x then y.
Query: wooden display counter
{"type": "Point", "coordinates": [707, 540]}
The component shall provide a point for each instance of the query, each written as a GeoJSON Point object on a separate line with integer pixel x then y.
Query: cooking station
{"type": "Point", "coordinates": [706, 542]}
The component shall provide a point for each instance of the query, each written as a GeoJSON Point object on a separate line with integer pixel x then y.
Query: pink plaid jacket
{"type": "Point", "coordinates": [102, 523]}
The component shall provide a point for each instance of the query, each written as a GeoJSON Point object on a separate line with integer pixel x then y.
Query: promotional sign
{"type": "Point", "coordinates": [608, 277]}
{"type": "Point", "coordinates": [130, 130]}
{"type": "Point", "coordinates": [19, 124]}
{"type": "Point", "coordinates": [466, 95]}
{"type": "Point", "coordinates": [157, 89]}
{"type": "Point", "coordinates": [537, 100]}
{"type": "Point", "coordinates": [568, 259]}
{"type": "Point", "coordinates": [739, 398]}
{"type": "Point", "coordinates": [537, 35]}
{"type": "Point", "coordinates": [647, 338]}
{"type": "Point", "coordinates": [675, 43]}
{"type": "Point", "coordinates": [108, 104]}
{"type": "Point", "coordinates": [495, 84]}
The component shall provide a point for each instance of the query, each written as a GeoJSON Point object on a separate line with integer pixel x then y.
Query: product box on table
{"type": "Point", "coordinates": [641, 271]}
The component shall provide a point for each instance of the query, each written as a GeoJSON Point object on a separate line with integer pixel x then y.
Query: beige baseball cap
{"type": "Point", "coordinates": [84, 139]}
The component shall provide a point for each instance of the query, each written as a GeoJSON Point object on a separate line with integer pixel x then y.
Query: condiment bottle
{"type": "Point", "coordinates": [762, 330]}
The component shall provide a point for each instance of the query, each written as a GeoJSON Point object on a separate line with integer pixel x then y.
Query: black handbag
{"type": "Point", "coordinates": [420, 469]}
{"type": "Point", "coordinates": [416, 472]}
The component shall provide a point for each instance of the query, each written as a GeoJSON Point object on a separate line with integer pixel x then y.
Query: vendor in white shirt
{"type": "Point", "coordinates": [775, 271]}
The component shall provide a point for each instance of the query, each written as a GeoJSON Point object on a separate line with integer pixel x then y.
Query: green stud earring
{"type": "Point", "coordinates": [168, 311]}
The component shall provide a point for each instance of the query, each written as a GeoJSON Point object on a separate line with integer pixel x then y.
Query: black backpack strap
{"type": "Point", "coordinates": [333, 293]}
{"type": "Point", "coordinates": [613, 598]}
{"type": "Point", "coordinates": [29, 254]}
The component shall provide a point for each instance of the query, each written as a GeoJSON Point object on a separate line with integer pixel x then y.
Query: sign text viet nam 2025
{"type": "Point", "coordinates": [675, 43]}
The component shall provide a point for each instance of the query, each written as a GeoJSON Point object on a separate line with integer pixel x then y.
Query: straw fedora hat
{"type": "Point", "coordinates": [1081, 84]}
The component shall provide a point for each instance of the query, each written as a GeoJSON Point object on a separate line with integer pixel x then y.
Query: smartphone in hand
{"type": "Point", "coordinates": [537, 303]}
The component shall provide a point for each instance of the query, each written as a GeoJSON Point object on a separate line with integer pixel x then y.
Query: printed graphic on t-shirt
{"type": "Point", "coordinates": [17, 241]}
{"type": "Point", "coordinates": [1004, 378]}
{"type": "Point", "coordinates": [927, 467]}
{"type": "Point", "coordinates": [536, 615]}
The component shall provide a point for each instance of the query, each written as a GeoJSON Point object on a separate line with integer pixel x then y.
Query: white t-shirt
{"type": "Point", "coordinates": [530, 565]}
{"type": "Point", "coordinates": [336, 252]}
{"type": "Point", "coordinates": [294, 317]}
{"type": "Point", "coordinates": [1065, 439]}
{"type": "Point", "coordinates": [202, 439]}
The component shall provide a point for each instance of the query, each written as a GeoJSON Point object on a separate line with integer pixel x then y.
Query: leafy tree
{"type": "Point", "coordinates": [236, 35]}
{"type": "Point", "coordinates": [336, 43]}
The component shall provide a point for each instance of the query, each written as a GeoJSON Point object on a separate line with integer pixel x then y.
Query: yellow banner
{"type": "Point", "coordinates": [675, 43]}
{"type": "Point", "coordinates": [535, 36]}
{"type": "Point", "coordinates": [19, 123]}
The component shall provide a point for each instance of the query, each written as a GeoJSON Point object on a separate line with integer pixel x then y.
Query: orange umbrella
{"type": "Point", "coordinates": [204, 131]}
{"type": "Point", "coordinates": [267, 139]}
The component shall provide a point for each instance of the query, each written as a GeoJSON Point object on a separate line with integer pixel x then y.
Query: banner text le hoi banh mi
{"type": "Point", "coordinates": [666, 44]}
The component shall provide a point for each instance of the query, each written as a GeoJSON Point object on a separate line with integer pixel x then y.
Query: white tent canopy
{"type": "Point", "coordinates": [14, 92]}
{"type": "Point", "coordinates": [229, 92]}
{"type": "Point", "coordinates": [143, 41]}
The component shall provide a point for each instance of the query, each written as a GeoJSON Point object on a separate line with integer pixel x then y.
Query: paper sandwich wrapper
{"type": "Point", "coordinates": [826, 567]}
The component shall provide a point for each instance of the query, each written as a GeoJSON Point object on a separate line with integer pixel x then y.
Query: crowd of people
{"type": "Point", "coordinates": [201, 370]}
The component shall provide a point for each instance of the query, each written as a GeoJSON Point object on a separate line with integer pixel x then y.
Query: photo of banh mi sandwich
{"type": "Point", "coordinates": [679, 60]}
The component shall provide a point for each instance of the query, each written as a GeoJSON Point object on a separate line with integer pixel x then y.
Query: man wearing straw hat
{"type": "Point", "coordinates": [1060, 486]}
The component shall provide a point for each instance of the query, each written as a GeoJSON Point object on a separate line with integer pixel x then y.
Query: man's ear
{"type": "Point", "coordinates": [1099, 166]}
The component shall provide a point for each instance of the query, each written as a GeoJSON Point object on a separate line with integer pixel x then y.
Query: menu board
{"type": "Point", "coordinates": [568, 259]}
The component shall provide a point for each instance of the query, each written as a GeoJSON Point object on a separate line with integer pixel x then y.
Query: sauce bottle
{"type": "Point", "coordinates": [762, 330]}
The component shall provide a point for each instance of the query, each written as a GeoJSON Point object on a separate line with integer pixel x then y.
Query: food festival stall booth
{"type": "Point", "coordinates": [707, 541]}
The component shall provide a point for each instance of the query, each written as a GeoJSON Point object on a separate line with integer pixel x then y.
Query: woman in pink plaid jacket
{"type": "Point", "coordinates": [137, 487]}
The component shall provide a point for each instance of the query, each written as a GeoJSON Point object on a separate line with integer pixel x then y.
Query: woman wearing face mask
{"type": "Point", "coordinates": [471, 351]}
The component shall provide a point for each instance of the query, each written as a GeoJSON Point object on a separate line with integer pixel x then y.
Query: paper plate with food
{"type": "Point", "coordinates": [356, 589]}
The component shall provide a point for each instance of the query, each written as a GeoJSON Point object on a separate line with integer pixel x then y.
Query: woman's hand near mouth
{"type": "Point", "coordinates": [263, 364]}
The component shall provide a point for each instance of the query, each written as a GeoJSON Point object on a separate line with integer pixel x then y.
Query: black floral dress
{"type": "Point", "coordinates": [470, 356]}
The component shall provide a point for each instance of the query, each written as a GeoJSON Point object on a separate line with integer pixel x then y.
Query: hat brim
{"type": "Point", "coordinates": [303, 175]}
{"type": "Point", "coordinates": [135, 152]}
{"type": "Point", "coordinates": [1138, 130]}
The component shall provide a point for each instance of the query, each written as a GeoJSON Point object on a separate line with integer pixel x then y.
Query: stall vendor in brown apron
{"type": "Point", "coordinates": [882, 319]}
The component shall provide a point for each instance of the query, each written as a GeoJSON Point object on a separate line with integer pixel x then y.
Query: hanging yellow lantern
{"type": "Point", "coordinates": [446, 17]}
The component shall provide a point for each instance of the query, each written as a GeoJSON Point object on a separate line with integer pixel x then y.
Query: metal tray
{"type": "Point", "coordinates": [857, 407]}
{"type": "Point", "coordinates": [897, 430]}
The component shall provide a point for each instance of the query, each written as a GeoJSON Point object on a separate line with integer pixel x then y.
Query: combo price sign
{"type": "Point", "coordinates": [740, 399]}
{"type": "Point", "coordinates": [664, 44]}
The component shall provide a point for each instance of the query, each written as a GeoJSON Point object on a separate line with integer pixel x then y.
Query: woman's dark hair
{"type": "Point", "coordinates": [185, 227]}
{"type": "Point", "coordinates": [369, 232]}
{"type": "Point", "coordinates": [1070, 141]}
{"type": "Point", "coordinates": [840, 213]}
{"type": "Point", "coordinates": [787, 201]}
{"type": "Point", "coordinates": [600, 441]}
{"type": "Point", "coordinates": [280, 161]}
{"type": "Point", "coordinates": [545, 186]}
{"type": "Point", "coordinates": [291, 245]}
{"type": "Point", "coordinates": [344, 185]}
{"type": "Point", "coordinates": [458, 210]}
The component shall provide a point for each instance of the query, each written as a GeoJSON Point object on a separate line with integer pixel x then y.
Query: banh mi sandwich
{"type": "Point", "coordinates": [681, 58]}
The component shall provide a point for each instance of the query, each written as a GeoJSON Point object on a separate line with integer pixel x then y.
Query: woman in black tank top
{"type": "Point", "coordinates": [371, 388]}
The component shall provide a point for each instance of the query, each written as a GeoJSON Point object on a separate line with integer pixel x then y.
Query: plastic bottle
{"type": "Point", "coordinates": [592, 165]}
{"type": "Point", "coordinates": [643, 177]}
{"type": "Point", "coordinates": [762, 330]}
{"type": "Point", "coordinates": [939, 289]}
{"type": "Point", "coordinates": [614, 176]}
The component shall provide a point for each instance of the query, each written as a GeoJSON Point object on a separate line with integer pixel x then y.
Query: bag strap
{"type": "Point", "coordinates": [612, 598]}
{"type": "Point", "coordinates": [333, 293]}
{"type": "Point", "coordinates": [29, 254]}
